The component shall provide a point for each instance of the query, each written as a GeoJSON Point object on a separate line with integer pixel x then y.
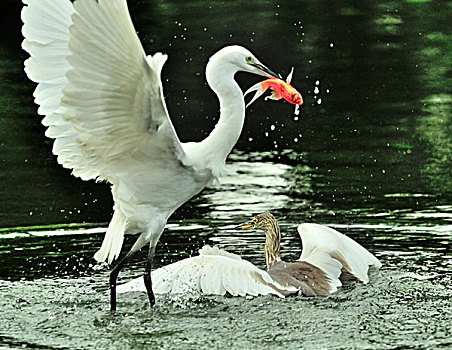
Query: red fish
{"type": "Point", "coordinates": [280, 89]}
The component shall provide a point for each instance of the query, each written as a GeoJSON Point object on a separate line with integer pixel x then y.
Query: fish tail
{"type": "Point", "coordinates": [259, 89]}
{"type": "Point", "coordinates": [289, 77]}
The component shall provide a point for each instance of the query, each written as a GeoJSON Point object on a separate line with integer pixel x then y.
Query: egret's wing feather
{"type": "Point", "coordinates": [102, 97]}
{"type": "Point", "coordinates": [46, 32]}
{"type": "Point", "coordinates": [213, 272]}
{"type": "Point", "coordinates": [331, 251]}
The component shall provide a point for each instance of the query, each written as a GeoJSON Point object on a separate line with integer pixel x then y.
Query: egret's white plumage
{"type": "Point", "coordinates": [215, 271]}
{"type": "Point", "coordinates": [103, 102]}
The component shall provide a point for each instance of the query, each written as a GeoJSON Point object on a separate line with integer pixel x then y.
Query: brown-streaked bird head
{"type": "Point", "coordinates": [267, 223]}
{"type": "Point", "coordinates": [264, 222]}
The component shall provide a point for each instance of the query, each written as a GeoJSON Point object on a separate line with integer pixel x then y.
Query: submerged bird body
{"type": "Point", "coordinates": [302, 275]}
{"type": "Point", "coordinates": [103, 103]}
{"type": "Point", "coordinates": [328, 260]}
{"type": "Point", "coordinates": [305, 277]}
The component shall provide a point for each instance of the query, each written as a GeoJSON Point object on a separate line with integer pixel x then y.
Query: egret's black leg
{"type": "Point", "coordinates": [147, 276]}
{"type": "Point", "coordinates": [114, 277]}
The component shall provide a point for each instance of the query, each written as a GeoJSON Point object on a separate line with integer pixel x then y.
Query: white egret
{"type": "Point", "coordinates": [328, 260]}
{"type": "Point", "coordinates": [103, 103]}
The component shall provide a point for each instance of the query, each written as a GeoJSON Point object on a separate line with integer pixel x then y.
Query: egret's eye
{"type": "Point", "coordinates": [248, 59]}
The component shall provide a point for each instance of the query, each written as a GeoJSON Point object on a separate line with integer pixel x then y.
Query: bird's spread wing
{"type": "Point", "coordinates": [213, 272]}
{"type": "Point", "coordinates": [332, 251]}
{"type": "Point", "coordinates": [309, 279]}
{"type": "Point", "coordinates": [102, 97]}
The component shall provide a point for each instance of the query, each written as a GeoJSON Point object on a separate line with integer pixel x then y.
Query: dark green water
{"type": "Point", "coordinates": [370, 155]}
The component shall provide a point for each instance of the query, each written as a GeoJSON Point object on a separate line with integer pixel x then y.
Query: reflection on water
{"type": "Point", "coordinates": [435, 128]}
{"type": "Point", "coordinates": [369, 154]}
{"type": "Point", "coordinates": [259, 187]}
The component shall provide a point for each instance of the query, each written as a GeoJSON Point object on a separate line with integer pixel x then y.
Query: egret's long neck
{"type": "Point", "coordinates": [272, 244]}
{"type": "Point", "coordinates": [220, 76]}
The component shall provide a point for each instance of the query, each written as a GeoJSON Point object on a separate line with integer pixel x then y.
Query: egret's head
{"type": "Point", "coordinates": [264, 222]}
{"type": "Point", "coordinates": [241, 59]}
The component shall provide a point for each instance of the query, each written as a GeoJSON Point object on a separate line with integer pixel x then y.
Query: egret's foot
{"type": "Point", "coordinates": [151, 299]}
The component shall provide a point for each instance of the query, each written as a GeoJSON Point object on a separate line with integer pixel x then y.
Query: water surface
{"type": "Point", "coordinates": [369, 155]}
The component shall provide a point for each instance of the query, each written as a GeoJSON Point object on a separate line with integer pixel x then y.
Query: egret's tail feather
{"type": "Point", "coordinates": [156, 63]}
{"type": "Point", "coordinates": [114, 237]}
{"type": "Point", "coordinates": [259, 92]}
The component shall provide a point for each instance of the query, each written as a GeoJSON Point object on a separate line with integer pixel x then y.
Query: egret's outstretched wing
{"type": "Point", "coordinates": [101, 96]}
{"type": "Point", "coordinates": [331, 251]}
{"type": "Point", "coordinates": [213, 272]}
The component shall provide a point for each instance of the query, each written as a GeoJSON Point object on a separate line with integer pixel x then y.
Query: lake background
{"type": "Point", "coordinates": [370, 154]}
